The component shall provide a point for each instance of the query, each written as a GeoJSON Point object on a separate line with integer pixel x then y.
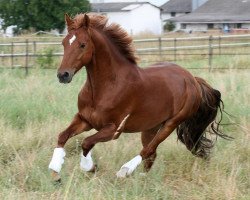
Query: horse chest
{"type": "Point", "coordinates": [96, 116]}
{"type": "Point", "coordinates": [100, 112]}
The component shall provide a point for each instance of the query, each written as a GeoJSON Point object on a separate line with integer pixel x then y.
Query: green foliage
{"type": "Point", "coordinates": [39, 15]}
{"type": "Point", "coordinates": [34, 109]}
{"type": "Point", "coordinates": [47, 60]}
{"type": "Point", "coordinates": [169, 26]}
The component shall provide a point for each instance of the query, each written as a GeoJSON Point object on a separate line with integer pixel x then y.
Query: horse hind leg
{"type": "Point", "coordinates": [146, 138]}
{"type": "Point", "coordinates": [128, 168]}
{"type": "Point", "coordinates": [150, 150]}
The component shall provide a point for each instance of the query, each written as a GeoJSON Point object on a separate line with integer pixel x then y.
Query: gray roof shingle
{"type": "Point", "coordinates": [219, 11]}
{"type": "Point", "coordinates": [178, 6]}
{"type": "Point", "coordinates": [115, 7]}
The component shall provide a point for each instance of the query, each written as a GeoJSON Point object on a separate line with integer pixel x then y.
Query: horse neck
{"type": "Point", "coordinates": [107, 66]}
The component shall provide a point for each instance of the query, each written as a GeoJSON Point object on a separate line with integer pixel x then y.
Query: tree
{"type": "Point", "coordinates": [39, 14]}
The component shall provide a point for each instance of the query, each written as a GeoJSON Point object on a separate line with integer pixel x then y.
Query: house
{"type": "Point", "coordinates": [175, 8]}
{"type": "Point", "coordinates": [8, 32]}
{"type": "Point", "coordinates": [216, 14]}
{"type": "Point", "coordinates": [197, 3]}
{"type": "Point", "coordinates": [134, 17]}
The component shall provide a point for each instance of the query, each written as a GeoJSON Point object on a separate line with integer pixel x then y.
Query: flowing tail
{"type": "Point", "coordinates": [192, 132]}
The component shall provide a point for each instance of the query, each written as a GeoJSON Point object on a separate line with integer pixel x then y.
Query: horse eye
{"type": "Point", "coordinates": [82, 45]}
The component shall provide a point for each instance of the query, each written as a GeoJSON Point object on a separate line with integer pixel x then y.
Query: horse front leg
{"type": "Point", "coordinates": [105, 134]}
{"type": "Point", "coordinates": [77, 126]}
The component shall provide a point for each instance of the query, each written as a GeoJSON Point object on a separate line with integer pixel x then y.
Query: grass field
{"type": "Point", "coordinates": [36, 108]}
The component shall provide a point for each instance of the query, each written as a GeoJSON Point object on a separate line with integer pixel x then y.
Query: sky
{"type": "Point", "coordinates": [158, 2]}
{"type": "Point", "coordinates": [155, 2]}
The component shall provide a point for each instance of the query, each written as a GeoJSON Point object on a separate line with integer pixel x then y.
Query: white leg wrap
{"type": "Point", "coordinates": [128, 168]}
{"type": "Point", "coordinates": [86, 163]}
{"type": "Point", "coordinates": [57, 159]}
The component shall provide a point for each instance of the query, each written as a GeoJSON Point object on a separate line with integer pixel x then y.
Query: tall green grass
{"type": "Point", "coordinates": [36, 108]}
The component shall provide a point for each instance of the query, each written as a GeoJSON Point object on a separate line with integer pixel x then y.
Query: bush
{"type": "Point", "coordinates": [169, 26]}
{"type": "Point", "coordinates": [46, 60]}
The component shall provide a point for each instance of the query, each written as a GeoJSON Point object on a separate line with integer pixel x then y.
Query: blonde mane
{"type": "Point", "coordinates": [113, 31]}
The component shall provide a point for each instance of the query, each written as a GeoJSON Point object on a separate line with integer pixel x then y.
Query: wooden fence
{"type": "Point", "coordinates": [24, 53]}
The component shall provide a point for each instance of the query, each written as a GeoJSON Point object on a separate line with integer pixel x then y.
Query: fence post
{"type": "Point", "coordinates": [26, 57]}
{"type": "Point", "coordinates": [34, 52]}
{"type": "Point", "coordinates": [219, 45]}
{"type": "Point", "coordinates": [175, 44]}
{"type": "Point", "coordinates": [160, 48]}
{"type": "Point", "coordinates": [12, 56]}
{"type": "Point", "coordinates": [210, 52]}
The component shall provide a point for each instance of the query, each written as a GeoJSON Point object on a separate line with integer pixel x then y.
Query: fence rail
{"type": "Point", "coordinates": [24, 53]}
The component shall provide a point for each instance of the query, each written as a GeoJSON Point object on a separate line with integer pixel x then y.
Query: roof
{"type": "Point", "coordinates": [178, 6]}
{"type": "Point", "coordinates": [117, 7]}
{"type": "Point", "coordinates": [218, 11]}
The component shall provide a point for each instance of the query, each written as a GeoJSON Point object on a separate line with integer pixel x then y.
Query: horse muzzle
{"type": "Point", "coordinates": [64, 77]}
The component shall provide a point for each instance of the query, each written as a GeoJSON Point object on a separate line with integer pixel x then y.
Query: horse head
{"type": "Point", "coordinates": [78, 48]}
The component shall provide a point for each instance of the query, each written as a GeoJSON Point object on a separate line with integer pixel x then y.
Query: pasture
{"type": "Point", "coordinates": [34, 109]}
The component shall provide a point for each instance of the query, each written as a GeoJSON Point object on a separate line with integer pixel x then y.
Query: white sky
{"type": "Point", "coordinates": [155, 2]}
{"type": "Point", "coordinates": [158, 2]}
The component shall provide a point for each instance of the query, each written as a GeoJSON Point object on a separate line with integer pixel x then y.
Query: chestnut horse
{"type": "Point", "coordinates": [118, 96]}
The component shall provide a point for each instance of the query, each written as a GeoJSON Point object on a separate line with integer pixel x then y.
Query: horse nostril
{"type": "Point", "coordinates": [66, 74]}
{"type": "Point", "coordinates": [64, 77]}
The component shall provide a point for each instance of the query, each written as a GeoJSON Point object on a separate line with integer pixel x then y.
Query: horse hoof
{"type": "Point", "coordinates": [122, 173]}
{"type": "Point", "coordinates": [94, 169]}
{"type": "Point", "coordinates": [56, 177]}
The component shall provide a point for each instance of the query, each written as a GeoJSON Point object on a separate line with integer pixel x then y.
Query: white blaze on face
{"type": "Point", "coordinates": [71, 40]}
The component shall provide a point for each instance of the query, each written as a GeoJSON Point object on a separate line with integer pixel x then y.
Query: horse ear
{"type": "Point", "coordinates": [86, 21]}
{"type": "Point", "coordinates": [68, 20]}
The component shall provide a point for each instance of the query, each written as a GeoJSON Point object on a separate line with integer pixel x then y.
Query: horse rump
{"type": "Point", "coordinates": [196, 132]}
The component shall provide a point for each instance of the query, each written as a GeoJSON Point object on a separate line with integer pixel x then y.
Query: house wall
{"type": "Point", "coordinates": [196, 27]}
{"type": "Point", "coordinates": [191, 27]}
{"type": "Point", "coordinates": [145, 18]}
{"type": "Point", "coordinates": [204, 26]}
{"type": "Point", "coordinates": [246, 26]}
{"type": "Point", "coordinates": [122, 18]}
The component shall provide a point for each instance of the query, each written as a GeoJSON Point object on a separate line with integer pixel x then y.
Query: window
{"type": "Point", "coordinates": [210, 26]}
{"type": "Point", "coordinates": [238, 25]}
{"type": "Point", "coordinates": [183, 26]}
{"type": "Point", "coordinates": [173, 14]}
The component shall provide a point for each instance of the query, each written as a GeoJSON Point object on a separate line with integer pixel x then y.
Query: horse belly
{"type": "Point", "coordinates": [149, 116]}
